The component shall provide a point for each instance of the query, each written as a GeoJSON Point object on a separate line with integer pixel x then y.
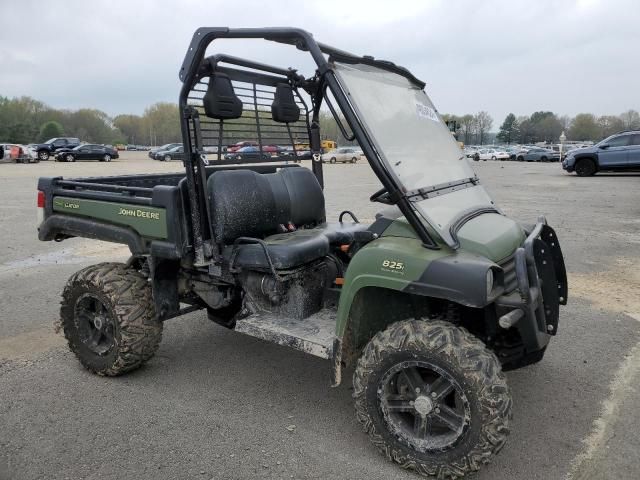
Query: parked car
{"type": "Point", "coordinates": [18, 153]}
{"type": "Point", "coordinates": [174, 153]}
{"type": "Point", "coordinates": [470, 152]}
{"type": "Point", "coordinates": [490, 154]}
{"type": "Point", "coordinates": [248, 153]}
{"type": "Point", "coordinates": [538, 154]}
{"type": "Point", "coordinates": [87, 152]}
{"type": "Point", "coordinates": [342, 154]}
{"type": "Point", "coordinates": [239, 145]}
{"type": "Point", "coordinates": [512, 151]}
{"type": "Point", "coordinates": [210, 149]}
{"type": "Point", "coordinates": [163, 148]}
{"type": "Point", "coordinates": [617, 152]}
{"type": "Point", "coordinates": [51, 146]}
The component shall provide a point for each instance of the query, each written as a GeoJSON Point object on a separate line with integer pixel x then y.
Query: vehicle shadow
{"type": "Point", "coordinates": [617, 174]}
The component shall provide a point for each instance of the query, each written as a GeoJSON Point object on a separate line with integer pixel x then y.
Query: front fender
{"type": "Point", "coordinates": [403, 264]}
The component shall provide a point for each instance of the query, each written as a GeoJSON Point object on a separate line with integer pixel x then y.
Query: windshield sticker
{"type": "Point", "coordinates": [425, 111]}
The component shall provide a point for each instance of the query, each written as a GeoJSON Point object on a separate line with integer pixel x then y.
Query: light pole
{"type": "Point", "coordinates": [563, 138]}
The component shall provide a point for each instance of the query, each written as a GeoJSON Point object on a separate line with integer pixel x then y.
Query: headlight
{"type": "Point", "coordinates": [489, 282]}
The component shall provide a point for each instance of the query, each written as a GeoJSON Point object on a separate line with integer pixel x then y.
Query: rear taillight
{"type": "Point", "coordinates": [40, 216]}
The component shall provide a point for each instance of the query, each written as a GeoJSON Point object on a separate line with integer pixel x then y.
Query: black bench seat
{"type": "Point", "coordinates": [244, 203]}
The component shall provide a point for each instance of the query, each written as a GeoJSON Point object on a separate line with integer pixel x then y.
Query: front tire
{"type": "Point", "coordinates": [108, 319]}
{"type": "Point", "coordinates": [332, 160]}
{"type": "Point", "coordinates": [432, 398]}
{"type": "Point", "coordinates": [585, 167]}
{"type": "Point", "coordinates": [43, 155]}
{"type": "Point", "coordinates": [166, 158]}
{"type": "Point", "coordinates": [70, 158]}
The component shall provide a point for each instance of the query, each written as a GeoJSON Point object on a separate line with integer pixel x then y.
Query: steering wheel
{"type": "Point", "coordinates": [381, 196]}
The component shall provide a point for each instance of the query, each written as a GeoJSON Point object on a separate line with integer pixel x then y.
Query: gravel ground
{"type": "Point", "coordinates": [216, 404]}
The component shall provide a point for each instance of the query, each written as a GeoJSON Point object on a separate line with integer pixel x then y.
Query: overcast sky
{"type": "Point", "coordinates": [500, 56]}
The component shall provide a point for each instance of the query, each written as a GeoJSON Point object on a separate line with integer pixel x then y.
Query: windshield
{"type": "Point", "coordinates": [414, 144]}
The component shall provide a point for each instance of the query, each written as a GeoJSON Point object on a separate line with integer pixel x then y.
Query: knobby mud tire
{"type": "Point", "coordinates": [126, 295]}
{"type": "Point", "coordinates": [469, 361]}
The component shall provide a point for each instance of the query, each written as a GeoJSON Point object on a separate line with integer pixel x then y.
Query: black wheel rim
{"type": "Point", "coordinates": [94, 324]}
{"type": "Point", "coordinates": [424, 406]}
{"type": "Point", "coordinates": [583, 168]}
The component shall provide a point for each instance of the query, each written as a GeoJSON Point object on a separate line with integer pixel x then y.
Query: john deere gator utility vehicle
{"type": "Point", "coordinates": [428, 303]}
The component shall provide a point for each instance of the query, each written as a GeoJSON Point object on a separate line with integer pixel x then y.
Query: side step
{"type": "Point", "coordinates": [314, 334]}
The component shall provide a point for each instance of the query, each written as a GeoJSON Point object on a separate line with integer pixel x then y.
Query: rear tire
{"type": "Point", "coordinates": [332, 160]}
{"type": "Point", "coordinates": [108, 319]}
{"type": "Point", "coordinates": [544, 159]}
{"type": "Point", "coordinates": [447, 425]}
{"type": "Point", "coordinates": [107, 158]}
{"type": "Point", "coordinates": [354, 160]}
{"type": "Point", "coordinates": [493, 158]}
{"type": "Point", "coordinates": [520, 158]}
{"type": "Point", "coordinates": [585, 167]}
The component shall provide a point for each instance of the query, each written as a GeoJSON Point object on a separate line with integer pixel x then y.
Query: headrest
{"type": "Point", "coordinates": [284, 108]}
{"type": "Point", "coordinates": [221, 101]}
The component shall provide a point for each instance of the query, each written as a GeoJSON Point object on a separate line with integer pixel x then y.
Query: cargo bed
{"type": "Point", "coordinates": [147, 212]}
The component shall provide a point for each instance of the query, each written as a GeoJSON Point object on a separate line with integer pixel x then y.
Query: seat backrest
{"type": "Point", "coordinates": [248, 204]}
{"type": "Point", "coordinates": [284, 108]}
{"type": "Point", "coordinates": [306, 198]}
{"type": "Point", "coordinates": [220, 101]}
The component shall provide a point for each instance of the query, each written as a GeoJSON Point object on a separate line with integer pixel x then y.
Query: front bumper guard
{"type": "Point", "coordinates": [542, 288]}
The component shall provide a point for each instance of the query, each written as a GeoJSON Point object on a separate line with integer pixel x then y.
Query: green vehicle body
{"type": "Point", "coordinates": [398, 261]}
{"type": "Point", "coordinates": [148, 222]}
{"type": "Point", "coordinates": [395, 261]}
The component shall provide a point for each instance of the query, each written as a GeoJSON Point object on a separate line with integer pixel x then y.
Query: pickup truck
{"type": "Point", "coordinates": [428, 303]}
{"type": "Point", "coordinates": [51, 146]}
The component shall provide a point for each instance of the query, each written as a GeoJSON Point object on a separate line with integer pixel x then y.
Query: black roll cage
{"type": "Point", "coordinates": [191, 71]}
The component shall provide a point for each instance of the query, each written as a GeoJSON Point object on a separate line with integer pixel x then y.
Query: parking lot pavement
{"type": "Point", "coordinates": [216, 404]}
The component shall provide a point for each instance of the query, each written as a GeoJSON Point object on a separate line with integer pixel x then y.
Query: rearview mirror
{"type": "Point", "coordinates": [604, 146]}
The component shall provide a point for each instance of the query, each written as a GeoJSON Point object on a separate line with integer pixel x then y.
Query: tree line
{"type": "Point", "coordinates": [26, 120]}
{"type": "Point", "coordinates": [542, 126]}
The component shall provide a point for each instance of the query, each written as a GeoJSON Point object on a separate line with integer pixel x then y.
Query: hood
{"type": "Point", "coordinates": [491, 235]}
{"type": "Point", "coordinates": [582, 150]}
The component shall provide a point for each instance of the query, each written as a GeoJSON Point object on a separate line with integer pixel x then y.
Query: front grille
{"type": "Point", "coordinates": [510, 280]}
